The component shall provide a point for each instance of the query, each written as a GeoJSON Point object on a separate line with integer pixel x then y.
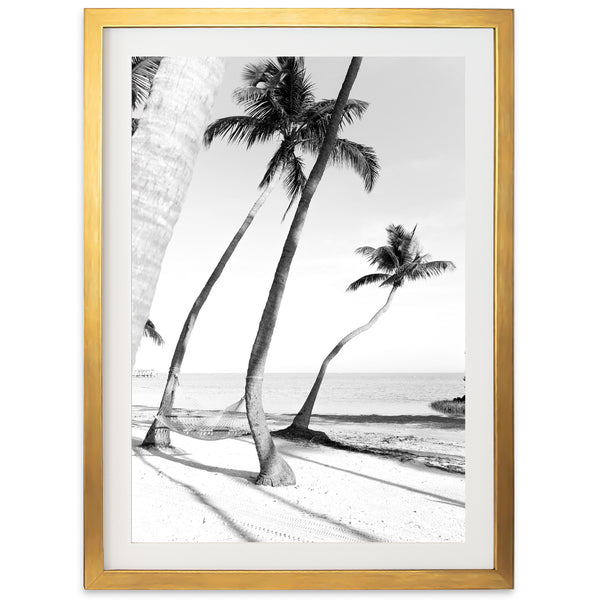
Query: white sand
{"type": "Point", "coordinates": [203, 492]}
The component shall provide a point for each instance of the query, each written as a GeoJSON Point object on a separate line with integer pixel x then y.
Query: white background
{"type": "Point", "coordinates": [557, 297]}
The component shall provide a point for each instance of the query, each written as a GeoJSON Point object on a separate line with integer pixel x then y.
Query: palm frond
{"type": "Point", "coordinates": [294, 89]}
{"type": "Point", "coordinates": [240, 129]}
{"type": "Point", "coordinates": [318, 116]}
{"type": "Point", "coordinates": [260, 132]}
{"type": "Point", "coordinates": [403, 243]}
{"type": "Point", "coordinates": [366, 251]}
{"type": "Point", "coordinates": [398, 236]}
{"type": "Point", "coordinates": [384, 259]}
{"type": "Point", "coordinates": [276, 164]}
{"type": "Point", "coordinates": [435, 267]}
{"type": "Point", "coordinates": [378, 257]}
{"type": "Point", "coordinates": [254, 73]}
{"type": "Point", "coordinates": [290, 63]}
{"type": "Point", "coordinates": [362, 159]}
{"type": "Point", "coordinates": [134, 125]}
{"type": "Point", "coordinates": [265, 107]}
{"type": "Point", "coordinates": [294, 180]}
{"type": "Point", "coordinates": [395, 280]}
{"type": "Point", "coordinates": [417, 270]}
{"type": "Point", "coordinates": [259, 102]}
{"type": "Point", "coordinates": [276, 89]}
{"type": "Point", "coordinates": [366, 280]}
{"type": "Point", "coordinates": [422, 258]}
{"type": "Point", "coordinates": [248, 94]}
{"type": "Point", "coordinates": [143, 70]}
{"type": "Point", "coordinates": [264, 71]}
{"type": "Point", "coordinates": [388, 258]}
{"type": "Point", "coordinates": [151, 333]}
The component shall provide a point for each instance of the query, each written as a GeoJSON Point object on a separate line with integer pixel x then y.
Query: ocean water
{"type": "Point", "coordinates": [284, 393]}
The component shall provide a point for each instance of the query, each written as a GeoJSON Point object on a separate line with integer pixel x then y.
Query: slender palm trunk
{"type": "Point", "coordinates": [163, 152]}
{"type": "Point", "coordinates": [273, 469]}
{"type": "Point", "coordinates": [302, 419]}
{"type": "Point", "coordinates": [158, 435]}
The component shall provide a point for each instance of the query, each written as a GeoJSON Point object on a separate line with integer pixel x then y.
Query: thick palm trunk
{"type": "Point", "coordinates": [163, 152]}
{"type": "Point", "coordinates": [302, 419]}
{"type": "Point", "coordinates": [273, 469]}
{"type": "Point", "coordinates": [158, 435]}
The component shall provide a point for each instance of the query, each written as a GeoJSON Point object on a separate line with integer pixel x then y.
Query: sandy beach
{"type": "Point", "coordinates": [401, 481]}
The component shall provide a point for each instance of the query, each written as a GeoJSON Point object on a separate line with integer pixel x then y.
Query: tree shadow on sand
{"type": "Point", "coordinates": [353, 532]}
{"type": "Point", "coordinates": [203, 499]}
{"type": "Point", "coordinates": [161, 453]}
{"type": "Point", "coordinates": [311, 516]}
{"type": "Point", "coordinates": [431, 495]}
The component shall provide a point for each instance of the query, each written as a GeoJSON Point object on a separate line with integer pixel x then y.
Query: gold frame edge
{"type": "Point", "coordinates": [501, 576]}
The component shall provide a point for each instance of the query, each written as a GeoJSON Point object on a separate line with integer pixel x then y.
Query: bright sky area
{"type": "Point", "coordinates": [416, 124]}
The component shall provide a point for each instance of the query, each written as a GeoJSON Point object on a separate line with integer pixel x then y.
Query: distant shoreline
{"type": "Point", "coordinates": [432, 441]}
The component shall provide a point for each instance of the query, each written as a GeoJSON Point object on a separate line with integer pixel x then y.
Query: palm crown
{"type": "Point", "coordinates": [279, 103]}
{"type": "Point", "coordinates": [401, 259]}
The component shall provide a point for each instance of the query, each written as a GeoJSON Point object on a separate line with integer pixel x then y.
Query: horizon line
{"type": "Point", "coordinates": [312, 372]}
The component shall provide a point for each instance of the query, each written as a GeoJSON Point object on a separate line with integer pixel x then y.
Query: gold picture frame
{"type": "Point", "coordinates": [501, 576]}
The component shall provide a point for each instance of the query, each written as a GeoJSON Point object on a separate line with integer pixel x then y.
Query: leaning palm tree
{"type": "Point", "coordinates": [143, 70]}
{"type": "Point", "coordinates": [399, 261]}
{"type": "Point", "coordinates": [280, 105]}
{"type": "Point", "coordinates": [274, 470]}
{"type": "Point", "coordinates": [163, 152]}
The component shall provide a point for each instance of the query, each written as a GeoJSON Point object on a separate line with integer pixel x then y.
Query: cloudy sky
{"type": "Point", "coordinates": [416, 124]}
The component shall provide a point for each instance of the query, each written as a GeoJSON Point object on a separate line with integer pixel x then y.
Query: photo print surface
{"type": "Point", "coordinates": [298, 299]}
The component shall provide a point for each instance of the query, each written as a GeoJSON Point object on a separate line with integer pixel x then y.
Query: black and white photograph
{"type": "Point", "coordinates": [298, 299]}
{"type": "Point", "coordinates": [256, 259]}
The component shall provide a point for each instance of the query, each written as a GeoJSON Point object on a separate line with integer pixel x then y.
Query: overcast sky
{"type": "Point", "coordinates": [416, 124]}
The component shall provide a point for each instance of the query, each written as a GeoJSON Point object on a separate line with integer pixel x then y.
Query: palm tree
{"type": "Point", "coordinates": [399, 261]}
{"type": "Point", "coordinates": [274, 470]}
{"type": "Point", "coordinates": [163, 152]}
{"type": "Point", "coordinates": [280, 105]}
{"type": "Point", "coordinates": [143, 70]}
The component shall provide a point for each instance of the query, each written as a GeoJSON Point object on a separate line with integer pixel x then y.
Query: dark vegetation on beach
{"type": "Point", "coordinates": [455, 406]}
{"type": "Point", "coordinates": [431, 460]}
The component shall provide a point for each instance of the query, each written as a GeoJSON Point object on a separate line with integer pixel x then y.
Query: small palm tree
{"type": "Point", "coordinates": [279, 103]}
{"type": "Point", "coordinates": [399, 261]}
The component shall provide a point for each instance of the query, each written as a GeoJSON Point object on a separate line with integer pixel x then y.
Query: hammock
{"type": "Point", "coordinates": [208, 425]}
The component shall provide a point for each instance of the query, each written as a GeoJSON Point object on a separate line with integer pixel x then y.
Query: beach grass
{"type": "Point", "coordinates": [450, 407]}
